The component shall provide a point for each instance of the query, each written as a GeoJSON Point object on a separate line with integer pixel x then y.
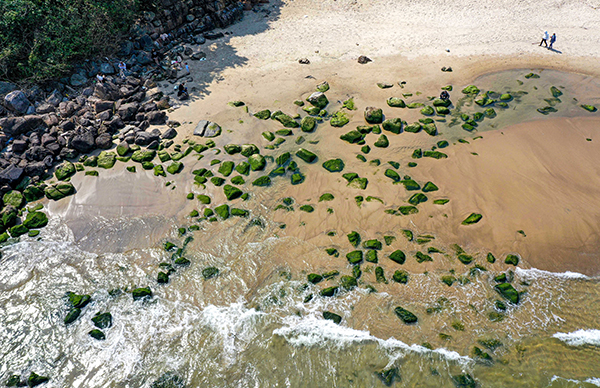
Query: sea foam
{"type": "Point", "coordinates": [535, 273]}
{"type": "Point", "coordinates": [580, 337]}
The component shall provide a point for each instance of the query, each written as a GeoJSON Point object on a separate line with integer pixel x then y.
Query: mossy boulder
{"type": "Point", "coordinates": [371, 256]}
{"type": "Point", "coordinates": [430, 129]}
{"type": "Point", "coordinates": [382, 142]}
{"type": "Point", "coordinates": [429, 186]}
{"type": "Point", "coordinates": [13, 198]}
{"type": "Point", "coordinates": [78, 301]}
{"type": "Point", "coordinates": [35, 220]}
{"type": "Point", "coordinates": [348, 282]}
{"type": "Point", "coordinates": [405, 315]}
{"type": "Point", "coordinates": [417, 199]}
{"type": "Point", "coordinates": [473, 218]}
{"type": "Point", "coordinates": [232, 192]}
{"type": "Point", "coordinates": [339, 119]}
{"type": "Point", "coordinates": [297, 178]}
{"type": "Point", "coordinates": [352, 137]}
{"type": "Point", "coordinates": [312, 110]}
{"type": "Point", "coordinates": [232, 149]}
{"type": "Point", "coordinates": [102, 320]}
{"type": "Point", "coordinates": [380, 276]}
{"type": "Point", "coordinates": [97, 335]}
{"type": "Point", "coordinates": [222, 211]}
{"type": "Point", "coordinates": [18, 230]}
{"type": "Point", "coordinates": [141, 293]}
{"type": "Point", "coordinates": [398, 256]}
{"type": "Point", "coordinates": [210, 272]}
{"type": "Point", "coordinates": [512, 260]}
{"type": "Point", "coordinates": [33, 193]}
{"type": "Point", "coordinates": [72, 316]}
{"type": "Point", "coordinates": [354, 257]}
{"type": "Point", "coordinates": [392, 125]}
{"type": "Point", "coordinates": [204, 199]}
{"type": "Point", "coordinates": [373, 244]}
{"type": "Point", "coordinates": [334, 165]}
{"type": "Point", "coordinates": [262, 181]}
{"type": "Point", "coordinates": [65, 170]}
{"type": "Point", "coordinates": [307, 208]}
{"type": "Point", "coordinates": [400, 276]}
{"type": "Point", "coordinates": [329, 291]}
{"type": "Point", "coordinates": [263, 114]}
{"type": "Point", "coordinates": [257, 162]}
{"type": "Point", "coordinates": [434, 155]}
{"type": "Point", "coordinates": [162, 278]}
{"type": "Point", "coordinates": [373, 115]}
{"type": "Point", "coordinates": [393, 175]}
{"type": "Point", "coordinates": [421, 257]}
{"type": "Point", "coordinates": [34, 380]}
{"type": "Point", "coordinates": [308, 124]}
{"type": "Point", "coordinates": [589, 108]}
{"type": "Point", "coordinates": [318, 100]}
{"type": "Point", "coordinates": [354, 238]}
{"type": "Point", "coordinates": [140, 156]}
{"type": "Point", "coordinates": [332, 317]}
{"type": "Point", "coordinates": [326, 197]}
{"type": "Point", "coordinates": [314, 278]}
{"type": "Point", "coordinates": [159, 170]}
{"type": "Point", "coordinates": [427, 110]}
{"type": "Point", "coordinates": [306, 155]}
{"type": "Point", "coordinates": [508, 292]}
{"type": "Point", "coordinates": [176, 167]}
{"type": "Point", "coordinates": [285, 120]}
{"type": "Point", "coordinates": [471, 89]}
{"type": "Point", "coordinates": [413, 128]}
{"type": "Point", "coordinates": [106, 159]}
{"type": "Point", "coordinates": [396, 102]}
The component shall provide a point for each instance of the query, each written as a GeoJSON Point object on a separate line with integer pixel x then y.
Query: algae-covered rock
{"type": "Point", "coordinates": [413, 128]}
{"type": "Point", "coordinates": [372, 244]}
{"type": "Point", "coordinates": [555, 92]}
{"type": "Point", "coordinates": [430, 129]}
{"type": "Point", "coordinates": [102, 320]}
{"type": "Point", "coordinates": [34, 380]}
{"type": "Point", "coordinates": [312, 110]}
{"type": "Point", "coordinates": [407, 210]}
{"type": "Point", "coordinates": [18, 230]}
{"type": "Point", "coordinates": [471, 89]}
{"type": "Point", "coordinates": [65, 170]}
{"type": "Point", "coordinates": [354, 238]}
{"type": "Point", "coordinates": [106, 159]}
{"type": "Point", "coordinates": [78, 301]}
{"type": "Point", "coordinates": [237, 180]}
{"type": "Point", "coordinates": [232, 192]}
{"type": "Point", "coordinates": [326, 197]}
{"type": "Point", "coordinates": [270, 136]}
{"type": "Point", "coordinates": [405, 315]}
{"type": "Point", "coordinates": [263, 114]}
{"type": "Point", "coordinates": [400, 276]}
{"type": "Point", "coordinates": [473, 218]}
{"type": "Point", "coordinates": [140, 156]}
{"type": "Point", "coordinates": [392, 125]}
{"type": "Point", "coordinates": [441, 102]}
{"type": "Point", "coordinates": [243, 168]}
{"type": "Point", "coordinates": [33, 193]}
{"type": "Point", "coordinates": [226, 168]}
{"type": "Point", "coordinates": [589, 108]}
{"type": "Point", "coordinates": [162, 278]}
{"type": "Point", "coordinates": [332, 317]}
{"type": "Point", "coordinates": [141, 293]}
{"type": "Point", "coordinates": [232, 149]}
{"type": "Point", "coordinates": [389, 376]}
{"type": "Point", "coordinates": [239, 212]}
{"type": "Point", "coordinates": [508, 292]}
{"type": "Point", "coordinates": [35, 220]}
{"type": "Point", "coordinates": [512, 260]}
{"type": "Point", "coordinates": [393, 175]}
{"type": "Point", "coordinates": [380, 276]}
{"type": "Point", "coordinates": [382, 142]}
{"type": "Point", "coordinates": [429, 186]}
{"type": "Point", "coordinates": [257, 162]}
{"type": "Point", "coordinates": [352, 137]}
{"type": "Point", "coordinates": [262, 181]}
{"type": "Point", "coordinates": [222, 211]}
{"type": "Point", "coordinates": [334, 165]}
{"type": "Point", "coordinates": [297, 178]}
{"type": "Point", "coordinates": [464, 381]}
{"type": "Point", "coordinates": [396, 102]}
{"type": "Point", "coordinates": [339, 119]}
{"type": "Point", "coordinates": [318, 99]}
{"type": "Point", "coordinates": [217, 181]}
{"type": "Point", "coordinates": [373, 115]}
{"type": "Point", "coordinates": [72, 316]}
{"type": "Point", "coordinates": [354, 257]}
{"type": "Point", "coordinates": [169, 380]}
{"type": "Point", "coordinates": [204, 199]}
{"type": "Point", "coordinates": [13, 198]}
{"type": "Point", "coordinates": [371, 256]}
{"type": "Point", "coordinates": [283, 132]}
{"type": "Point", "coordinates": [442, 110]}
{"type": "Point", "coordinates": [427, 110]}
{"type": "Point", "coordinates": [449, 280]}
{"type": "Point", "coordinates": [329, 291]}
{"type": "Point", "coordinates": [97, 334]}
{"type": "Point", "coordinates": [306, 155]}
{"type": "Point", "coordinates": [490, 113]}
{"type": "Point", "coordinates": [210, 272]}
{"type": "Point", "coordinates": [417, 199]}
{"type": "Point", "coordinates": [398, 256]}
{"type": "Point", "coordinates": [348, 282]}
{"type": "Point", "coordinates": [307, 208]}
{"type": "Point", "coordinates": [434, 155]}
{"type": "Point", "coordinates": [159, 170]}
{"type": "Point", "coordinates": [176, 167]}
{"type": "Point", "coordinates": [314, 278]}
{"type": "Point", "coordinates": [308, 124]}
{"type": "Point", "coordinates": [421, 257]}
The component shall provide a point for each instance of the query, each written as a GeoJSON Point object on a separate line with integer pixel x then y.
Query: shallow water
{"type": "Point", "coordinates": [251, 327]}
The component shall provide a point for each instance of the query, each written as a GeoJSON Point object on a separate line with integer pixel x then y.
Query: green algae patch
{"type": "Point", "coordinates": [396, 102]}
{"type": "Point", "coordinates": [269, 136]}
{"type": "Point", "coordinates": [13, 198]}
{"type": "Point", "coordinates": [380, 275]}
{"type": "Point", "coordinates": [465, 259]}
{"type": "Point", "coordinates": [141, 156]}
{"type": "Point", "coordinates": [314, 278]}
{"type": "Point", "coordinates": [257, 162]}
{"type": "Point", "coordinates": [222, 211]}
{"type": "Point", "coordinates": [176, 167]}
{"type": "Point", "coordinates": [512, 260]}
{"type": "Point", "coordinates": [203, 199]}
{"type": "Point", "coordinates": [239, 212]}
{"type": "Point", "coordinates": [421, 257]}
{"type": "Point", "coordinates": [407, 210]}
{"type": "Point", "coordinates": [471, 89]}
{"type": "Point", "coordinates": [490, 258]}
{"type": "Point", "coordinates": [262, 181]}
{"type": "Point", "coordinates": [427, 111]}
{"type": "Point", "coordinates": [349, 104]}
{"type": "Point", "coordinates": [393, 175]}
{"type": "Point", "coordinates": [306, 155]}
{"type": "Point", "coordinates": [237, 180]}
{"type": "Point", "coordinates": [473, 218]}
{"type": "Point", "coordinates": [372, 244]}
{"type": "Point", "coordinates": [232, 192]}
{"type": "Point", "coordinates": [373, 115]}
{"type": "Point", "coordinates": [429, 186]}
{"type": "Point", "coordinates": [226, 168]}
{"type": "Point", "coordinates": [410, 185]}
{"type": "Point", "coordinates": [532, 75]}
{"type": "Point", "coordinates": [449, 280]}
{"type": "Point", "coordinates": [382, 142]}
{"type": "Point", "coordinates": [405, 315]}
{"type": "Point", "coordinates": [243, 168]}
{"type": "Point", "coordinates": [329, 291]}
{"type": "Point", "coordinates": [307, 208]}
{"type": "Point", "coordinates": [434, 155]}
{"type": "Point", "coordinates": [263, 114]}
{"type": "Point", "coordinates": [589, 108]}
{"type": "Point", "coordinates": [508, 292]}
{"type": "Point", "coordinates": [413, 128]}
{"type": "Point", "coordinates": [392, 125]}
{"type": "Point", "coordinates": [334, 165]}
{"type": "Point", "coordinates": [285, 120]}
{"type": "Point", "coordinates": [210, 272]}
{"type": "Point", "coordinates": [141, 293]}
{"type": "Point", "coordinates": [326, 197]}
{"type": "Point", "coordinates": [417, 198]}
{"type": "Point", "coordinates": [339, 119]}
{"type": "Point", "coordinates": [408, 234]}
{"type": "Point", "coordinates": [354, 238]}
{"type": "Point", "coordinates": [441, 201]}
{"type": "Point", "coordinates": [352, 137]}
{"type": "Point", "coordinates": [398, 256]}
{"type": "Point", "coordinates": [348, 282]}
{"type": "Point", "coordinates": [328, 315]}
{"type": "Point", "coordinates": [308, 124]}
{"type": "Point", "coordinates": [371, 256]}
{"type": "Point", "coordinates": [400, 276]}
{"type": "Point", "coordinates": [297, 178]}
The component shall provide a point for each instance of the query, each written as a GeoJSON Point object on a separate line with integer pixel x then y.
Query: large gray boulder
{"type": "Point", "coordinates": [83, 141]}
{"type": "Point", "coordinates": [212, 130]}
{"type": "Point", "coordinates": [14, 126]}
{"type": "Point", "coordinates": [107, 68]}
{"type": "Point", "coordinates": [200, 128]}
{"type": "Point", "coordinates": [11, 175]}
{"type": "Point", "coordinates": [55, 98]}
{"type": "Point", "coordinates": [6, 87]}
{"type": "Point", "coordinates": [17, 101]}
{"type": "Point", "coordinates": [78, 80]}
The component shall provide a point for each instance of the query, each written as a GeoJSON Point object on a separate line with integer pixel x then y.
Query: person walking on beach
{"type": "Point", "coordinates": [552, 40]}
{"type": "Point", "coordinates": [544, 39]}
{"type": "Point", "coordinates": [122, 68]}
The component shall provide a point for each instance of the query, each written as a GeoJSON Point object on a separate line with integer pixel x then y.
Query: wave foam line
{"type": "Point", "coordinates": [580, 337]}
{"type": "Point", "coordinates": [534, 273]}
{"type": "Point", "coordinates": [310, 331]}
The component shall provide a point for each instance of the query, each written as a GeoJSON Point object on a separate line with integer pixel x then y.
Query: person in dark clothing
{"type": "Point", "coordinates": [544, 39]}
{"type": "Point", "coordinates": [445, 95]}
{"type": "Point", "coordinates": [182, 92]}
{"type": "Point", "coordinates": [552, 40]}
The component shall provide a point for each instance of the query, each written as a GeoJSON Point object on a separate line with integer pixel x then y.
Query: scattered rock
{"type": "Point", "coordinates": [364, 59]}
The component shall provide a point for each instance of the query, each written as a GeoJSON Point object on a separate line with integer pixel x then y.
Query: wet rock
{"type": "Point", "coordinates": [304, 61]}
{"type": "Point", "coordinates": [97, 334]}
{"type": "Point", "coordinates": [78, 80]}
{"type": "Point", "coordinates": [64, 171]}
{"type": "Point", "coordinates": [18, 230]}
{"type": "Point", "coordinates": [83, 141]}
{"type": "Point", "coordinates": [106, 159]}
{"type": "Point", "coordinates": [334, 165]}
{"type": "Point", "coordinates": [392, 125]}
{"type": "Point", "coordinates": [169, 380]}
{"type": "Point", "coordinates": [354, 238]}
{"type": "Point", "coordinates": [306, 155]}
{"type": "Point", "coordinates": [156, 118]}
{"type": "Point", "coordinates": [364, 59]}
{"type": "Point", "coordinates": [17, 101]}
{"type": "Point", "coordinates": [141, 293]}
{"type": "Point", "coordinates": [14, 126]}
{"type": "Point", "coordinates": [72, 316]}
{"type": "Point", "coordinates": [398, 256]}
{"type": "Point", "coordinates": [212, 130]}
{"type": "Point", "coordinates": [329, 291]}
{"type": "Point", "coordinates": [59, 191]}
{"type": "Point", "coordinates": [104, 141]}
{"type": "Point", "coordinates": [102, 320]}
{"type": "Point", "coordinates": [373, 115]}
{"type": "Point", "coordinates": [332, 317]}
{"type": "Point", "coordinates": [35, 220]}
{"type": "Point", "coordinates": [308, 124]}
{"type": "Point", "coordinates": [34, 379]}
{"type": "Point", "coordinates": [318, 99]}
{"type": "Point", "coordinates": [405, 315]}
{"type": "Point", "coordinates": [210, 272]}
{"type": "Point", "coordinates": [170, 133]}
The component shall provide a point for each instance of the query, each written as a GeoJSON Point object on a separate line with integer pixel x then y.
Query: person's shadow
{"type": "Point", "coordinates": [555, 50]}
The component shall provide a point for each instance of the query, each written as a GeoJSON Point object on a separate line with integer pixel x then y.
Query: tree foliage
{"type": "Point", "coordinates": [40, 39]}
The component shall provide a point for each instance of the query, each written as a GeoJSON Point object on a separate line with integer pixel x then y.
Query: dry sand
{"type": "Point", "coordinates": [524, 178]}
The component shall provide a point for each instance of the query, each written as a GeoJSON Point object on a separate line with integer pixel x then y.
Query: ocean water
{"type": "Point", "coordinates": [260, 324]}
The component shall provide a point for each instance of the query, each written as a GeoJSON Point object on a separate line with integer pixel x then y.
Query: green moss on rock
{"type": "Point", "coordinates": [508, 292]}
{"type": "Point", "coordinates": [417, 198]}
{"type": "Point", "coordinates": [141, 293]}
{"type": "Point", "coordinates": [262, 181]}
{"type": "Point", "coordinates": [232, 192]}
{"type": "Point", "coordinates": [398, 256]}
{"type": "Point", "coordinates": [263, 114]}
{"type": "Point", "coordinates": [314, 278]}
{"type": "Point", "coordinates": [210, 272]}
{"type": "Point", "coordinates": [421, 257]}
{"type": "Point", "coordinates": [329, 291]}
{"type": "Point", "coordinates": [473, 218]}
{"type": "Point", "coordinates": [334, 165]}
{"type": "Point", "coordinates": [257, 162]}
{"type": "Point", "coordinates": [405, 315]}
{"type": "Point", "coordinates": [382, 142]}
{"type": "Point", "coordinates": [143, 156]}
{"type": "Point", "coordinates": [332, 317]}
{"type": "Point", "coordinates": [373, 115]}
{"type": "Point", "coordinates": [512, 260]}
{"type": "Point", "coordinates": [400, 276]}
{"type": "Point", "coordinates": [396, 102]}
{"type": "Point", "coordinates": [393, 125]}
{"type": "Point", "coordinates": [354, 257]}
{"type": "Point", "coordinates": [339, 119]}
